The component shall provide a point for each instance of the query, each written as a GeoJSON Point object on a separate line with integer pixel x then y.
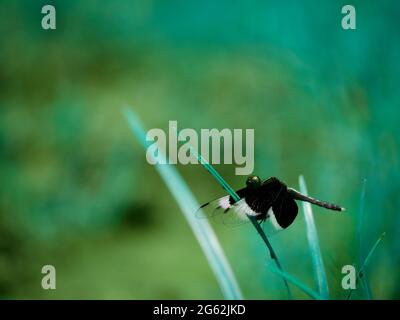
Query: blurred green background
{"type": "Point", "coordinates": [76, 190]}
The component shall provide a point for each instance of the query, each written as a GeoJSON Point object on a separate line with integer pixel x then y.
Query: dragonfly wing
{"type": "Point", "coordinates": [225, 210]}
{"type": "Point", "coordinates": [270, 202]}
{"type": "Point", "coordinates": [261, 199]}
{"type": "Point", "coordinates": [284, 211]}
{"type": "Point", "coordinates": [273, 205]}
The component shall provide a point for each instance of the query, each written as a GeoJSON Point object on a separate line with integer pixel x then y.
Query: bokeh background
{"type": "Point", "coordinates": [76, 190]}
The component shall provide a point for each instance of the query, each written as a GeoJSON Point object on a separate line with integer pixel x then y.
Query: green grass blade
{"type": "Point", "coordinates": [360, 250]}
{"type": "Point", "coordinates": [315, 251]}
{"type": "Point", "coordinates": [297, 283]}
{"type": "Point", "coordinates": [361, 273]}
{"type": "Point", "coordinates": [371, 252]}
{"type": "Point", "coordinates": [200, 227]}
{"type": "Point", "coordinates": [253, 220]}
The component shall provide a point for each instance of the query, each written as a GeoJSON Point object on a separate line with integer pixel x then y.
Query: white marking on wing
{"type": "Point", "coordinates": [243, 210]}
{"type": "Point", "coordinates": [272, 220]}
{"type": "Point", "coordinates": [224, 202]}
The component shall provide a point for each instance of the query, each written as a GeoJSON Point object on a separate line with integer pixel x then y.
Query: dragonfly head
{"type": "Point", "coordinates": [253, 182]}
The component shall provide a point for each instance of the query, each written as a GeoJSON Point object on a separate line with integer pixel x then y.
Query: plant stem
{"type": "Point", "coordinates": [201, 228]}
{"type": "Point", "coordinates": [360, 274]}
{"type": "Point", "coordinates": [313, 243]}
{"type": "Point", "coordinates": [297, 283]}
{"type": "Point", "coordinates": [360, 250]}
{"type": "Point", "coordinates": [253, 220]}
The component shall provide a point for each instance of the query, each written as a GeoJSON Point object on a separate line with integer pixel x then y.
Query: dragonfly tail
{"type": "Point", "coordinates": [302, 197]}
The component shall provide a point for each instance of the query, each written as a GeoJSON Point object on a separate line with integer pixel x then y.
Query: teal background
{"type": "Point", "coordinates": [76, 190]}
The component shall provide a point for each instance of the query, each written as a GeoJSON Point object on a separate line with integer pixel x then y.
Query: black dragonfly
{"type": "Point", "coordinates": [270, 200]}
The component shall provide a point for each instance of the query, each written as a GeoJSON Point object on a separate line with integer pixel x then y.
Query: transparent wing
{"type": "Point", "coordinates": [223, 211]}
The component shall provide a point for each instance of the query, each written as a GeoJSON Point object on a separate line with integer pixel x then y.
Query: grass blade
{"type": "Point", "coordinates": [312, 237]}
{"type": "Point", "coordinates": [200, 227]}
{"type": "Point", "coordinates": [361, 273]}
{"type": "Point", "coordinates": [371, 252]}
{"type": "Point", "coordinates": [360, 250]}
{"type": "Point", "coordinates": [297, 283]}
{"type": "Point", "coordinates": [253, 220]}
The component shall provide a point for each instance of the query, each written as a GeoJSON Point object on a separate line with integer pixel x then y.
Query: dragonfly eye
{"type": "Point", "coordinates": [253, 182]}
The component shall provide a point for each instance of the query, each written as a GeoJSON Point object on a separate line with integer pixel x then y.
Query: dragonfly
{"type": "Point", "coordinates": [269, 201]}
